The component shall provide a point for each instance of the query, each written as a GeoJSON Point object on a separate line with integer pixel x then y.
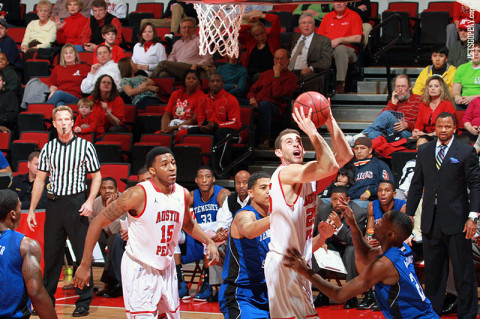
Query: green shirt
{"type": "Point", "coordinates": [135, 82]}
{"type": "Point", "coordinates": [469, 78]}
{"type": "Point", "coordinates": [315, 7]}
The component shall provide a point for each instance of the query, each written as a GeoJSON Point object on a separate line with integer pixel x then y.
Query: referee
{"type": "Point", "coordinates": [68, 159]}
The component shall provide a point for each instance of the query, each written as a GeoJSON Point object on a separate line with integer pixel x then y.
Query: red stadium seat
{"type": "Point", "coordinates": [153, 7]}
{"type": "Point", "coordinates": [118, 171]}
{"type": "Point", "coordinates": [205, 142]}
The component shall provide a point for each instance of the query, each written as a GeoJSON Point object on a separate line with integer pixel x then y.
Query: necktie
{"type": "Point", "coordinates": [440, 156]}
{"type": "Point", "coordinates": [300, 46]}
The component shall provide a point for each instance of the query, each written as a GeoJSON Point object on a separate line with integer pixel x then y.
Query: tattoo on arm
{"type": "Point", "coordinates": [118, 207]}
{"type": "Point", "coordinates": [221, 197]}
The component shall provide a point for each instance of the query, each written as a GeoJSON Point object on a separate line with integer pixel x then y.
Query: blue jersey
{"type": "Point", "coordinates": [378, 212]}
{"type": "Point", "coordinates": [206, 212]}
{"type": "Point", "coordinates": [14, 301]}
{"type": "Point", "coordinates": [243, 293]}
{"type": "Point", "coordinates": [406, 298]}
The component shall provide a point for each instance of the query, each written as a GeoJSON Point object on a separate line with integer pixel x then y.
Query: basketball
{"type": "Point", "coordinates": [318, 103]}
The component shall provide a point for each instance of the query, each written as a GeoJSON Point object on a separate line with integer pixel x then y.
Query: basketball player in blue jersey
{"type": "Point", "coordinates": [20, 272]}
{"type": "Point", "coordinates": [389, 267]}
{"type": "Point", "coordinates": [207, 200]}
{"type": "Point", "coordinates": [243, 293]}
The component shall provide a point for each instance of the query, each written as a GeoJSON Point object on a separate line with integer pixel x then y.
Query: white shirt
{"type": "Point", "coordinates": [109, 68]}
{"type": "Point", "coordinates": [225, 216]}
{"type": "Point", "coordinates": [152, 57]}
{"type": "Point", "coordinates": [301, 62]}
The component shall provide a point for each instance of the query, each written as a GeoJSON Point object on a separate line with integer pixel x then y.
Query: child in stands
{"type": "Point", "coordinates": [86, 122]}
{"type": "Point", "coordinates": [109, 34]}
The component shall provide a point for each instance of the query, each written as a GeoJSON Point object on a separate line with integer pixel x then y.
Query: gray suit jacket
{"type": "Point", "coordinates": [319, 53]}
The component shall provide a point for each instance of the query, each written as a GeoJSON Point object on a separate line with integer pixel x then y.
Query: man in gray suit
{"type": "Point", "coordinates": [310, 54]}
{"type": "Point", "coordinates": [341, 240]}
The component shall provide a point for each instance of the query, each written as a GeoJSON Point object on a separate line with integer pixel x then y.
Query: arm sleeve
{"type": "Point", "coordinates": [88, 83]}
{"type": "Point", "coordinates": [273, 37]}
{"type": "Point", "coordinates": [27, 38]}
{"type": "Point", "coordinates": [284, 87]}
{"type": "Point", "coordinates": [325, 57]}
{"type": "Point", "coordinates": [86, 34]}
{"type": "Point", "coordinates": [241, 85]}
{"type": "Point", "coordinates": [233, 111]}
{"type": "Point", "coordinates": [420, 116]}
{"type": "Point", "coordinates": [420, 82]}
{"type": "Point", "coordinates": [118, 25]}
{"type": "Point", "coordinates": [93, 165]}
{"type": "Point", "coordinates": [160, 54]}
{"type": "Point", "coordinates": [468, 115]}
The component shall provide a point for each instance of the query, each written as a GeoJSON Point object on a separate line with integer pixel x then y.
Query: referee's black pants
{"type": "Point", "coordinates": [63, 219]}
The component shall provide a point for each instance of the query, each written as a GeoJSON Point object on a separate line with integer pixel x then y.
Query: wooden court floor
{"type": "Point", "coordinates": [113, 308]}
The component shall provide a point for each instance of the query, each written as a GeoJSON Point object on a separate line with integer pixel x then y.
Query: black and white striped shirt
{"type": "Point", "coordinates": [68, 165]}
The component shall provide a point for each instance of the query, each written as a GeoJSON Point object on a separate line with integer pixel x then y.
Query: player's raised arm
{"type": "Point", "coordinates": [341, 149]}
{"type": "Point", "coordinates": [32, 275]}
{"type": "Point", "coordinates": [325, 163]}
{"type": "Point", "coordinates": [248, 225]}
{"type": "Point", "coordinates": [192, 228]}
{"type": "Point", "coordinates": [131, 201]}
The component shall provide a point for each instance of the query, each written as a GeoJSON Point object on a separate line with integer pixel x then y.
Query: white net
{"type": "Point", "coordinates": [219, 27]}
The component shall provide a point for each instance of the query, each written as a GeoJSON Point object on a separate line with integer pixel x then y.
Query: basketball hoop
{"type": "Point", "coordinates": [219, 27]}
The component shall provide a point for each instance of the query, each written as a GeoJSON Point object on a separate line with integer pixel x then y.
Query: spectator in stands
{"type": "Point", "coordinates": [403, 101]}
{"type": "Point", "coordinates": [369, 171]}
{"type": "Point", "coordinates": [11, 82]}
{"type": "Point", "coordinates": [86, 122]}
{"type": "Point", "coordinates": [91, 35]}
{"type": "Point", "coordinates": [11, 11]}
{"type": "Point", "coordinates": [140, 89]}
{"type": "Point", "coordinates": [458, 50]}
{"type": "Point", "coordinates": [108, 193]}
{"type": "Point", "coordinates": [344, 178]}
{"type": "Point", "coordinates": [181, 110]}
{"type": "Point", "coordinates": [61, 11]}
{"type": "Point", "coordinates": [316, 10]}
{"type": "Point", "coordinates": [435, 100]}
{"type": "Point", "coordinates": [70, 29]}
{"type": "Point", "coordinates": [471, 119]}
{"type": "Point", "coordinates": [341, 241]}
{"type": "Point", "coordinates": [118, 8]}
{"type": "Point", "coordinates": [439, 67]}
{"type": "Point", "coordinates": [175, 11]}
{"type": "Point", "coordinates": [8, 106]}
{"type": "Point", "coordinates": [185, 55]}
{"type": "Point", "coordinates": [234, 77]}
{"type": "Point", "coordinates": [466, 81]}
{"type": "Point", "coordinates": [364, 9]}
{"type": "Point", "coordinates": [4, 166]}
{"type": "Point", "coordinates": [219, 116]}
{"type": "Point", "coordinates": [40, 33]}
{"type": "Point", "coordinates": [109, 107]}
{"type": "Point", "coordinates": [269, 92]}
{"type": "Point", "coordinates": [67, 77]}
{"type": "Point", "coordinates": [148, 52]}
{"type": "Point", "coordinates": [22, 184]}
{"type": "Point", "coordinates": [109, 34]}
{"type": "Point", "coordinates": [343, 26]}
{"type": "Point", "coordinates": [9, 47]}
{"type": "Point", "coordinates": [310, 53]}
{"type": "Point", "coordinates": [104, 66]}
{"type": "Point", "coordinates": [461, 11]}
{"type": "Point", "coordinates": [259, 44]}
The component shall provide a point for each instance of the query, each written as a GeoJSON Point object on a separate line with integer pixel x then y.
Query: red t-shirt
{"type": "Point", "coordinates": [426, 117]}
{"type": "Point", "coordinates": [69, 78]}
{"type": "Point", "coordinates": [117, 107]}
{"type": "Point", "coordinates": [91, 120]}
{"type": "Point", "coordinates": [222, 109]}
{"type": "Point", "coordinates": [349, 24]}
{"type": "Point", "coordinates": [183, 106]}
{"type": "Point", "coordinates": [72, 30]}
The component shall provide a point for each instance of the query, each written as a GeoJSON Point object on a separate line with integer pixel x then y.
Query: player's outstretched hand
{"type": "Point", "coordinates": [212, 254]}
{"type": "Point", "coordinates": [303, 121]}
{"type": "Point", "coordinates": [82, 276]}
{"type": "Point", "coordinates": [293, 259]}
{"type": "Point", "coordinates": [325, 229]}
{"type": "Point", "coordinates": [348, 213]}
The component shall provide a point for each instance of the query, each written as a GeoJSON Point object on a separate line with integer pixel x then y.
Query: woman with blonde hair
{"type": "Point", "coordinates": [435, 100]}
{"type": "Point", "coordinates": [67, 77]}
{"type": "Point", "coordinates": [70, 30]}
{"type": "Point", "coordinates": [40, 33]}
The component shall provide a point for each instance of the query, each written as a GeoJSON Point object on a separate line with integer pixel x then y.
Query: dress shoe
{"type": "Point", "coordinates": [351, 303]}
{"type": "Point", "coordinates": [80, 311]}
{"type": "Point", "coordinates": [115, 292]}
{"type": "Point", "coordinates": [105, 290]}
{"type": "Point", "coordinates": [368, 301]}
{"type": "Point", "coordinates": [321, 300]}
{"type": "Point", "coordinates": [449, 304]}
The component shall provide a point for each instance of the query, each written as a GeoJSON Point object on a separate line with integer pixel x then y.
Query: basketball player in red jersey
{"type": "Point", "coordinates": [293, 195]}
{"type": "Point", "coordinates": [157, 211]}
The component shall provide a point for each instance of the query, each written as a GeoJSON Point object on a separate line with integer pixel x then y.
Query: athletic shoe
{"type": "Point", "coordinates": [183, 290]}
{"type": "Point", "coordinates": [368, 301]}
{"type": "Point", "coordinates": [204, 293]}
{"type": "Point", "coordinates": [351, 303]}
